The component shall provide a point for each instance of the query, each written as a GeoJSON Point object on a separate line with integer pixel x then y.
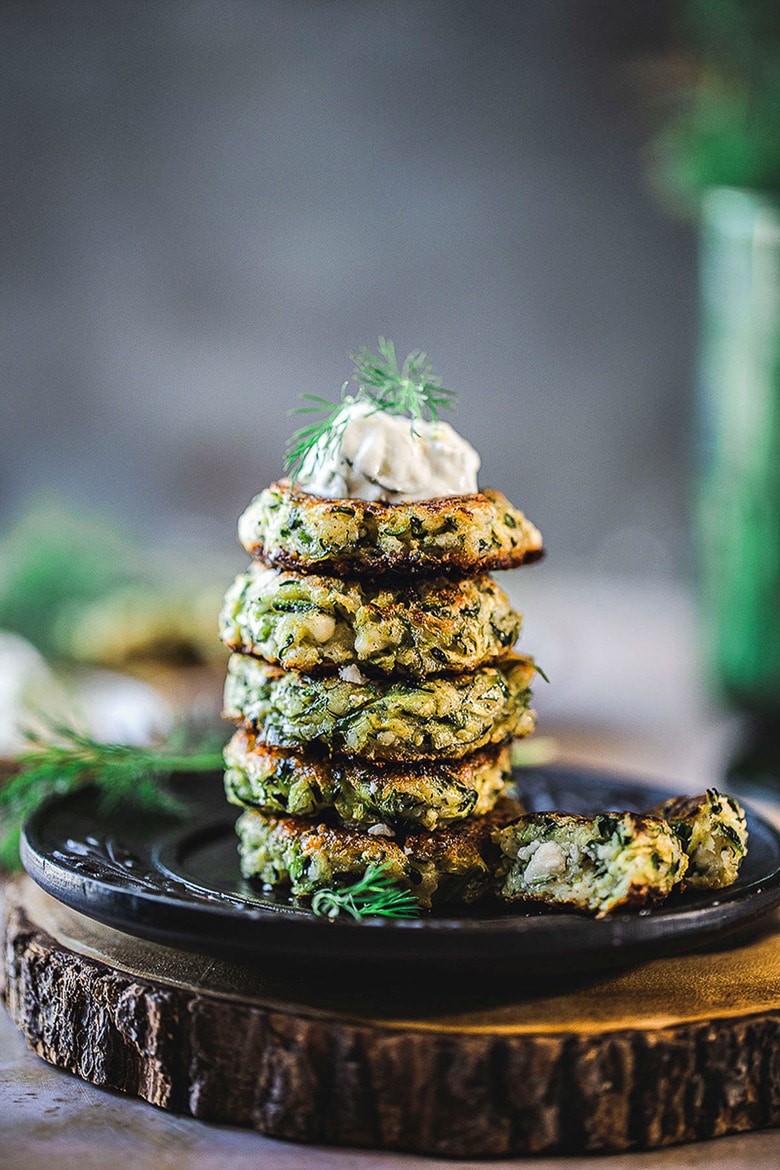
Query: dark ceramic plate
{"type": "Point", "coordinates": [178, 883]}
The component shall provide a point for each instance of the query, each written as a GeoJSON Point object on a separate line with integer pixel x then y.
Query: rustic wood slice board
{"type": "Point", "coordinates": [676, 1049]}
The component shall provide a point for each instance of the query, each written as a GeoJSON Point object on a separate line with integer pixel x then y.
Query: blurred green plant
{"type": "Point", "coordinates": [53, 559]}
{"type": "Point", "coordinates": [63, 759]}
{"type": "Point", "coordinates": [725, 128]}
{"type": "Point", "coordinates": [82, 593]}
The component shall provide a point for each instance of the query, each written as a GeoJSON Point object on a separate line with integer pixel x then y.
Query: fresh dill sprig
{"type": "Point", "coordinates": [411, 389]}
{"type": "Point", "coordinates": [64, 759]}
{"type": "Point", "coordinates": [325, 432]}
{"type": "Point", "coordinates": [375, 894]}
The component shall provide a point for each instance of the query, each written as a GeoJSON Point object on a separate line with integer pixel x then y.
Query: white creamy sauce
{"type": "Point", "coordinates": [387, 457]}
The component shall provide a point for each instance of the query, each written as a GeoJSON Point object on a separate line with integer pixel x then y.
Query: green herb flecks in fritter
{"type": "Point", "coordinates": [428, 792]}
{"type": "Point", "coordinates": [458, 534]}
{"type": "Point", "coordinates": [443, 717]}
{"type": "Point", "coordinates": [596, 864]}
{"type": "Point", "coordinates": [711, 829]}
{"type": "Point", "coordinates": [455, 863]}
{"type": "Point", "coordinates": [418, 628]}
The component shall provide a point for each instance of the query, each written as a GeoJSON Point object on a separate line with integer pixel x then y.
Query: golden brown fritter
{"type": "Point", "coordinates": [444, 717]}
{"type": "Point", "coordinates": [465, 535]}
{"type": "Point", "coordinates": [455, 863]}
{"type": "Point", "coordinates": [429, 793]}
{"type": "Point", "coordinates": [314, 624]}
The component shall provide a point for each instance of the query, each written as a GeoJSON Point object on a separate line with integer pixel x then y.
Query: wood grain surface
{"type": "Point", "coordinates": [678, 1049]}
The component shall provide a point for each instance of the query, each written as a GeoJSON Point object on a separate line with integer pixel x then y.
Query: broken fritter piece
{"type": "Point", "coordinates": [598, 864]}
{"type": "Point", "coordinates": [712, 830]}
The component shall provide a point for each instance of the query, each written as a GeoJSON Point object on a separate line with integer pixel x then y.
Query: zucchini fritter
{"type": "Point", "coordinates": [429, 793]}
{"type": "Point", "coordinates": [454, 863]}
{"type": "Point", "coordinates": [711, 829]}
{"type": "Point", "coordinates": [444, 717]}
{"type": "Point", "coordinates": [460, 534]}
{"type": "Point", "coordinates": [417, 628]}
{"type": "Point", "coordinates": [592, 863]}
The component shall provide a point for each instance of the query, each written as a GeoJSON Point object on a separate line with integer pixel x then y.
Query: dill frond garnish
{"type": "Point", "coordinates": [411, 389]}
{"type": "Point", "coordinates": [375, 894]}
{"type": "Point", "coordinates": [65, 759]}
{"type": "Point", "coordinates": [325, 433]}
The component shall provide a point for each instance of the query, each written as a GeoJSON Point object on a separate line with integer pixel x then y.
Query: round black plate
{"type": "Point", "coordinates": [178, 883]}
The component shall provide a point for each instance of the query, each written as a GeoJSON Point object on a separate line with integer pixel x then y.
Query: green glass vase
{"type": "Point", "coordinates": [738, 466]}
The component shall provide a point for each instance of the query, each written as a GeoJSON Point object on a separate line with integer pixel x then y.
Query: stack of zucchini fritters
{"type": "Point", "coordinates": [376, 694]}
{"type": "Point", "coordinates": [375, 689]}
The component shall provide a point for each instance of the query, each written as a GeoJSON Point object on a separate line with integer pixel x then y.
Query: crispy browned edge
{"type": "Point", "coordinates": [382, 772]}
{"type": "Point", "coordinates": [449, 560]}
{"type": "Point", "coordinates": [422, 842]}
{"type": "Point", "coordinates": [330, 669]}
{"type": "Point", "coordinates": [678, 808]}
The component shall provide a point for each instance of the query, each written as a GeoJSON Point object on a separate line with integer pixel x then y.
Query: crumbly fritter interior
{"type": "Point", "coordinates": [596, 864]}
{"type": "Point", "coordinates": [713, 832]}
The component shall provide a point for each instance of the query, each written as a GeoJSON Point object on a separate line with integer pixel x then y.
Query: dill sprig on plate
{"type": "Point", "coordinates": [411, 389]}
{"type": "Point", "coordinates": [375, 894]}
{"type": "Point", "coordinates": [64, 759]}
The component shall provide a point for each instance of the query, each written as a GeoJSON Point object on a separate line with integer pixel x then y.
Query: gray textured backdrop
{"type": "Point", "coordinates": [206, 204]}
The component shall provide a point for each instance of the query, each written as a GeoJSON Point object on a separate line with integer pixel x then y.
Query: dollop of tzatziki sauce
{"type": "Point", "coordinates": [380, 456]}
